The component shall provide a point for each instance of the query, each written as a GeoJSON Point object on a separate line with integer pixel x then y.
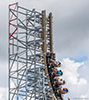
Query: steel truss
{"type": "Point", "coordinates": [30, 38]}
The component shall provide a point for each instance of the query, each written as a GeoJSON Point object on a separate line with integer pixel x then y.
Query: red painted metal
{"type": "Point", "coordinates": [13, 33]}
{"type": "Point", "coordinates": [13, 11]}
{"type": "Point", "coordinates": [12, 25]}
{"type": "Point", "coordinates": [13, 4]}
{"type": "Point", "coordinates": [12, 19]}
{"type": "Point", "coordinates": [11, 36]}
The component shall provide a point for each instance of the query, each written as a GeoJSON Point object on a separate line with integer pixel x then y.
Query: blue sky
{"type": "Point", "coordinates": [80, 59]}
{"type": "Point", "coordinates": [71, 38]}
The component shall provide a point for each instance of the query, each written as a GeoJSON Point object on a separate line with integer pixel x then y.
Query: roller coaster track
{"type": "Point", "coordinates": [30, 41]}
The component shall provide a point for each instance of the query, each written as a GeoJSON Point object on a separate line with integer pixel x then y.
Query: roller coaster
{"type": "Point", "coordinates": [34, 72]}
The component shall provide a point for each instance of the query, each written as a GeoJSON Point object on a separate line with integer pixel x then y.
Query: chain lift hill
{"type": "Point", "coordinates": [32, 61]}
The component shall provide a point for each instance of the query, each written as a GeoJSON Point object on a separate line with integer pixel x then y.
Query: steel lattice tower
{"type": "Point", "coordinates": [30, 38]}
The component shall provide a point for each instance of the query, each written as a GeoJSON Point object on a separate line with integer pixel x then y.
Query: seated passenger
{"type": "Point", "coordinates": [56, 73]}
{"type": "Point", "coordinates": [54, 63]}
{"type": "Point", "coordinates": [62, 91]}
{"type": "Point", "coordinates": [58, 81]}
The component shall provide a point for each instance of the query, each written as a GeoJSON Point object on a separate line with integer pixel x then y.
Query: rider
{"type": "Point", "coordinates": [54, 63]}
{"type": "Point", "coordinates": [62, 90]}
{"type": "Point", "coordinates": [56, 73]}
{"type": "Point", "coordinates": [58, 81]}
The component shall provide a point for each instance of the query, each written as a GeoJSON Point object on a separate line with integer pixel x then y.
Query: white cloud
{"type": "Point", "coordinates": [76, 84]}
{"type": "Point", "coordinates": [3, 93]}
{"type": "Point", "coordinates": [85, 96]}
{"type": "Point", "coordinates": [70, 69]}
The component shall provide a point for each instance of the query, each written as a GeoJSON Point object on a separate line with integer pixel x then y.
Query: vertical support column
{"type": "Point", "coordinates": [50, 32]}
{"type": "Point", "coordinates": [35, 52]}
{"type": "Point", "coordinates": [13, 28]}
{"type": "Point", "coordinates": [26, 52]}
{"type": "Point", "coordinates": [44, 34]}
{"type": "Point", "coordinates": [9, 56]}
{"type": "Point", "coordinates": [44, 40]}
{"type": "Point", "coordinates": [17, 58]}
